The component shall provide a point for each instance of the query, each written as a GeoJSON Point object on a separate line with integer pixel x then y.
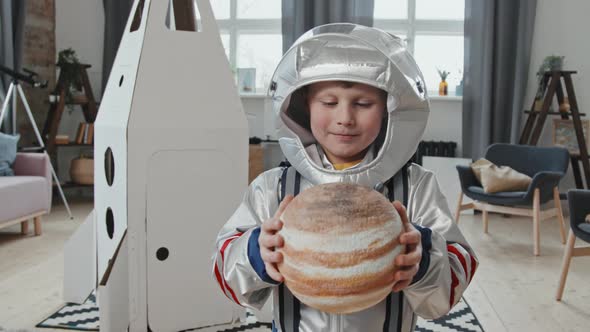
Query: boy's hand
{"type": "Point", "coordinates": [269, 240]}
{"type": "Point", "coordinates": [408, 262]}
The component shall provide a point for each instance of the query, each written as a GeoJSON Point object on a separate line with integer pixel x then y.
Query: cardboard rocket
{"type": "Point", "coordinates": [170, 168]}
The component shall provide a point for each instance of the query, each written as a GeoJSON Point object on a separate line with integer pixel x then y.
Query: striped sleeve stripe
{"type": "Point", "coordinates": [473, 267]}
{"type": "Point", "coordinates": [222, 251]}
{"type": "Point", "coordinates": [454, 250]}
{"type": "Point", "coordinates": [218, 275]}
{"type": "Point", "coordinates": [220, 281]}
{"type": "Point", "coordinates": [454, 283]}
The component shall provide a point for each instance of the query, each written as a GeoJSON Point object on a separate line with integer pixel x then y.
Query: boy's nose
{"type": "Point", "coordinates": [345, 115]}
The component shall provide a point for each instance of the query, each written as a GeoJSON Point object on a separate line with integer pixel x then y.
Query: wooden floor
{"type": "Point", "coordinates": [511, 291]}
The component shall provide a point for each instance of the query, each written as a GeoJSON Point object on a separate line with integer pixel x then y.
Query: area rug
{"type": "Point", "coordinates": [84, 317]}
{"type": "Point", "coordinates": [73, 316]}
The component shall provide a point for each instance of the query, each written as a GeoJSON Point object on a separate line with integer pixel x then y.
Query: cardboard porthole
{"type": "Point", "coordinates": [110, 223]}
{"type": "Point", "coordinates": [162, 253]}
{"type": "Point", "coordinates": [183, 16]}
{"type": "Point", "coordinates": [109, 166]}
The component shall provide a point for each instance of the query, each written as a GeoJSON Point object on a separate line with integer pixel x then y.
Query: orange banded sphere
{"type": "Point", "coordinates": [340, 243]}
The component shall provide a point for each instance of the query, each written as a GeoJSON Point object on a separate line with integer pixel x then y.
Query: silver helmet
{"type": "Point", "coordinates": [359, 54]}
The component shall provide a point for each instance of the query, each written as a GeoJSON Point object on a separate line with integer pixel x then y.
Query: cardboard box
{"type": "Point", "coordinates": [170, 168]}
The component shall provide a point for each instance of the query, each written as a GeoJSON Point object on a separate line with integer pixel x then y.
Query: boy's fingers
{"type": "Point", "coordinates": [272, 225]}
{"type": "Point", "coordinates": [271, 256]}
{"type": "Point", "coordinates": [409, 259]}
{"type": "Point", "coordinates": [401, 210]}
{"type": "Point", "coordinates": [401, 285]}
{"type": "Point", "coordinates": [272, 271]}
{"type": "Point", "coordinates": [412, 237]}
{"type": "Point", "coordinates": [283, 206]}
{"type": "Point", "coordinates": [271, 241]}
{"type": "Point", "coordinates": [406, 274]}
{"type": "Point", "coordinates": [264, 253]}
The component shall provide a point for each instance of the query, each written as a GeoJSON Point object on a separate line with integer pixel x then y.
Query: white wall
{"type": "Point", "coordinates": [561, 28]}
{"type": "Point", "coordinates": [80, 25]}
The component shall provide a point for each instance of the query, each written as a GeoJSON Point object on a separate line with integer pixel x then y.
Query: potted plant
{"type": "Point", "coordinates": [550, 63]}
{"type": "Point", "coordinates": [443, 87]}
{"type": "Point", "coordinates": [68, 62]}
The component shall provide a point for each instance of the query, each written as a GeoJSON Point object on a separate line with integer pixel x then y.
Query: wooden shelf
{"type": "Point", "coordinates": [73, 144]}
{"type": "Point", "coordinates": [84, 99]}
{"type": "Point", "coordinates": [550, 72]}
{"type": "Point", "coordinates": [78, 100]}
{"type": "Point", "coordinates": [554, 113]}
{"type": "Point", "coordinates": [556, 84]}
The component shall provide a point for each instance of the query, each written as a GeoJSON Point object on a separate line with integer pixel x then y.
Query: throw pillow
{"type": "Point", "coordinates": [495, 178]}
{"type": "Point", "coordinates": [8, 145]}
{"type": "Point", "coordinates": [480, 164]}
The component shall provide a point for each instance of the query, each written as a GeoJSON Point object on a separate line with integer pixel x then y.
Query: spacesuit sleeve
{"type": "Point", "coordinates": [237, 265]}
{"type": "Point", "coordinates": [448, 262]}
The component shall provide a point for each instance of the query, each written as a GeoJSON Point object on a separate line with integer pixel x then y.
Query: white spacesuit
{"type": "Point", "coordinates": [349, 52]}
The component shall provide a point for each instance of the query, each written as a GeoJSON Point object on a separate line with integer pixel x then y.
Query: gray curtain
{"type": "Point", "coordinates": [116, 13]}
{"type": "Point", "coordinates": [12, 26]}
{"type": "Point", "coordinates": [498, 38]}
{"type": "Point", "coordinates": [298, 16]}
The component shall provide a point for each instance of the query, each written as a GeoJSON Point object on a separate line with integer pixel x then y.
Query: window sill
{"type": "Point", "coordinates": [254, 95]}
{"type": "Point", "coordinates": [445, 98]}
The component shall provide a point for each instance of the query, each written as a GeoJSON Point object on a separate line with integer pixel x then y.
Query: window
{"type": "Point", "coordinates": [433, 31]}
{"type": "Point", "coordinates": [251, 34]}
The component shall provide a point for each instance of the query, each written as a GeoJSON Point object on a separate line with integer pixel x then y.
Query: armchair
{"type": "Point", "coordinates": [579, 204]}
{"type": "Point", "coordinates": [545, 165]}
{"type": "Point", "coordinates": [27, 194]}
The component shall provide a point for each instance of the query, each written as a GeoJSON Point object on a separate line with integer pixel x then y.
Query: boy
{"type": "Point", "coordinates": [351, 108]}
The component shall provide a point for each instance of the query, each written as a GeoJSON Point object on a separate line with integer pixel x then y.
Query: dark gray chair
{"type": "Point", "coordinates": [545, 165]}
{"type": "Point", "coordinates": [579, 204]}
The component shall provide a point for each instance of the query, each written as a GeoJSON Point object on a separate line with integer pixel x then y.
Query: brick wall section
{"type": "Point", "coordinates": [39, 56]}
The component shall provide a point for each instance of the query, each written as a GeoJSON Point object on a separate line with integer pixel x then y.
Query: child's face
{"type": "Point", "coordinates": [345, 118]}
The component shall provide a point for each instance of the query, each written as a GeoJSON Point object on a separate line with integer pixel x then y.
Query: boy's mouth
{"type": "Point", "coordinates": [344, 137]}
{"type": "Point", "coordinates": [344, 134]}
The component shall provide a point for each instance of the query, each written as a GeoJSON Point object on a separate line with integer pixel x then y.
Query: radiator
{"type": "Point", "coordinates": [434, 149]}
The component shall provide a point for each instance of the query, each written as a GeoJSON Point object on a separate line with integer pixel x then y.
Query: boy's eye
{"type": "Point", "coordinates": [360, 104]}
{"type": "Point", "coordinates": [329, 103]}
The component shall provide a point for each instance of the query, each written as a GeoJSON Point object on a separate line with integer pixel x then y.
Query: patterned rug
{"type": "Point", "coordinates": [73, 316]}
{"type": "Point", "coordinates": [84, 317]}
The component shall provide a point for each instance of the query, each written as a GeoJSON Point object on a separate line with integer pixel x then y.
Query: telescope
{"type": "Point", "coordinates": [31, 77]}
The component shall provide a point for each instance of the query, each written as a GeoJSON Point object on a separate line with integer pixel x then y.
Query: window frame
{"type": "Point", "coordinates": [411, 27]}
{"type": "Point", "coordinates": [234, 26]}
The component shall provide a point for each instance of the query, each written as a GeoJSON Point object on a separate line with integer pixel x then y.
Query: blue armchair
{"type": "Point", "coordinates": [545, 165]}
{"type": "Point", "coordinates": [579, 204]}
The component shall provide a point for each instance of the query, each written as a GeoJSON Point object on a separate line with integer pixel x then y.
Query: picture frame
{"type": "Point", "coordinates": [247, 80]}
{"type": "Point", "coordinates": [564, 134]}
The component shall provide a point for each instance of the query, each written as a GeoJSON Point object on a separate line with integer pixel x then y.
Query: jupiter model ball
{"type": "Point", "coordinates": [340, 244]}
